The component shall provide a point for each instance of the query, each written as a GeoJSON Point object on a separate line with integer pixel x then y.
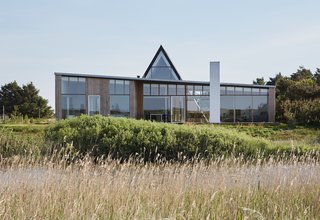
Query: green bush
{"type": "Point", "coordinates": [122, 138]}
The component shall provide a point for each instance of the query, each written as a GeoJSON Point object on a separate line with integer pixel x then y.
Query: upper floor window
{"type": "Point", "coordinates": [73, 85]}
{"type": "Point", "coordinates": [119, 87]}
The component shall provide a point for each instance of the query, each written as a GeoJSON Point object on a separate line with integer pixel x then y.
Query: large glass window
{"type": "Point", "coordinates": [177, 108]}
{"type": "Point", "coordinates": [119, 105]}
{"type": "Point", "coordinates": [73, 85]}
{"type": "Point", "coordinates": [181, 90]}
{"type": "Point", "coordinates": [163, 89]}
{"type": "Point", "coordinates": [119, 87]}
{"type": "Point", "coordinates": [243, 108]}
{"type": "Point", "coordinates": [146, 89]}
{"type": "Point", "coordinates": [227, 108]}
{"type": "Point", "coordinates": [206, 90]}
{"type": "Point", "coordinates": [172, 89]}
{"type": "Point", "coordinates": [73, 105]}
{"type": "Point", "coordinates": [154, 89]}
{"type": "Point", "coordinates": [260, 108]}
{"type": "Point", "coordinates": [198, 108]}
{"type": "Point", "coordinates": [190, 90]}
{"type": "Point", "coordinates": [93, 104]}
{"type": "Point", "coordinates": [157, 108]}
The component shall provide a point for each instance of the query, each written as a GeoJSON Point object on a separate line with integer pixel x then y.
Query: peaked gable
{"type": "Point", "coordinates": [161, 67]}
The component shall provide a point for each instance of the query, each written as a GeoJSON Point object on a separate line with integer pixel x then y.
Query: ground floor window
{"type": "Point", "coordinates": [119, 105]}
{"type": "Point", "coordinates": [93, 104]}
{"type": "Point", "coordinates": [73, 105]}
{"type": "Point", "coordinates": [198, 109]}
{"type": "Point", "coordinates": [157, 108]}
{"type": "Point", "coordinates": [244, 108]}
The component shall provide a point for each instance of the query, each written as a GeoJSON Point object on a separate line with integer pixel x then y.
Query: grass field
{"type": "Point", "coordinates": [37, 182]}
{"type": "Point", "coordinates": [225, 189]}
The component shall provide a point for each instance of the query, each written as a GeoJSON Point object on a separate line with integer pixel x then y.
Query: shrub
{"type": "Point", "coordinates": [122, 138]}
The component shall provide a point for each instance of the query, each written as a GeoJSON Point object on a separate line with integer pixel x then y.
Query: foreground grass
{"type": "Point", "coordinates": [224, 189]}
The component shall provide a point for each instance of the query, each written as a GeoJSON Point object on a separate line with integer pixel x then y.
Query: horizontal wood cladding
{"type": "Point", "coordinates": [272, 104]}
{"type": "Point", "coordinates": [58, 107]}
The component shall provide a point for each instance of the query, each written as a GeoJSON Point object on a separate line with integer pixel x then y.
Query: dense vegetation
{"type": "Point", "coordinates": [123, 138]}
{"type": "Point", "coordinates": [23, 101]}
{"type": "Point", "coordinates": [297, 97]}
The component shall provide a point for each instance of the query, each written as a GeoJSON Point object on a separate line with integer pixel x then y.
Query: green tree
{"type": "Point", "coordinates": [24, 101]}
{"type": "Point", "coordinates": [259, 81]}
{"type": "Point", "coordinates": [297, 96]}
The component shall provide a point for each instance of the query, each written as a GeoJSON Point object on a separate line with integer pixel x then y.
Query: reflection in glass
{"type": "Point", "coordinates": [198, 109]}
{"type": "Point", "coordinates": [154, 89]}
{"type": "Point", "coordinates": [190, 90]}
{"type": "Point", "coordinates": [73, 85]}
{"type": "Point", "coordinates": [157, 108]}
{"type": "Point", "coordinates": [206, 90]}
{"type": "Point", "coordinates": [264, 91]}
{"type": "Point", "coordinates": [146, 89]}
{"type": "Point", "coordinates": [260, 108]}
{"type": "Point", "coordinates": [119, 87]}
{"type": "Point", "coordinates": [255, 91]}
{"type": "Point", "coordinates": [197, 90]}
{"type": "Point", "coordinates": [119, 105]}
{"type": "Point", "coordinates": [227, 109]}
{"type": "Point", "coordinates": [230, 90]}
{"type": "Point", "coordinates": [93, 104]}
{"type": "Point", "coordinates": [112, 87]}
{"type": "Point", "coordinates": [181, 90]}
{"type": "Point", "coordinates": [172, 89]}
{"type": "Point", "coordinates": [222, 90]}
{"type": "Point", "coordinates": [177, 108]}
{"type": "Point", "coordinates": [163, 89]}
{"type": "Point", "coordinates": [72, 105]}
{"type": "Point", "coordinates": [243, 108]}
{"type": "Point", "coordinates": [247, 91]}
{"type": "Point", "coordinates": [238, 90]}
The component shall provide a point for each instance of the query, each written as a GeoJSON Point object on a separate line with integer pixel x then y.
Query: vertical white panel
{"type": "Point", "coordinates": [214, 92]}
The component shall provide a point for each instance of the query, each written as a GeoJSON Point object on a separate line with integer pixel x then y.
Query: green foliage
{"type": "Point", "coordinates": [123, 138]}
{"type": "Point", "coordinates": [297, 97]}
{"type": "Point", "coordinates": [23, 101]}
{"type": "Point", "coordinates": [259, 81]}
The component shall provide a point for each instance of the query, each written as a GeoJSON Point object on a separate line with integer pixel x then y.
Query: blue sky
{"type": "Point", "coordinates": [249, 38]}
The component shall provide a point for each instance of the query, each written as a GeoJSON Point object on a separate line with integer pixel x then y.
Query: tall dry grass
{"type": "Point", "coordinates": [52, 188]}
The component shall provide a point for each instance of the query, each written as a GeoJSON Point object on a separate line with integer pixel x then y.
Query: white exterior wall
{"type": "Point", "coordinates": [215, 92]}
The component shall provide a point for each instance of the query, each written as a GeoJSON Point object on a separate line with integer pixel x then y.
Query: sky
{"type": "Point", "coordinates": [250, 38]}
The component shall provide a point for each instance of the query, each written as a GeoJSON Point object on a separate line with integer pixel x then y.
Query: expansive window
{"type": "Point", "coordinates": [157, 108]}
{"type": "Point", "coordinates": [198, 109]}
{"type": "Point", "coordinates": [260, 108]}
{"type": "Point", "coordinates": [93, 104]}
{"type": "Point", "coordinates": [73, 91]}
{"type": "Point", "coordinates": [243, 104]}
{"type": "Point", "coordinates": [178, 109]}
{"type": "Point", "coordinates": [119, 98]}
{"type": "Point", "coordinates": [227, 108]}
{"type": "Point", "coordinates": [243, 108]}
{"type": "Point", "coordinates": [119, 105]}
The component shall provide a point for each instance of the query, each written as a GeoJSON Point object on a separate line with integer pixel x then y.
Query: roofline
{"type": "Point", "coordinates": [159, 80]}
{"type": "Point", "coordinates": [161, 49]}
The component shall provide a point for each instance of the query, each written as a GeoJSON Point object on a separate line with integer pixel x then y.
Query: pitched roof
{"type": "Point", "coordinates": [161, 49]}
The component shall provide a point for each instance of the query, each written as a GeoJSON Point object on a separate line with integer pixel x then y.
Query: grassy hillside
{"type": "Point", "coordinates": [126, 137]}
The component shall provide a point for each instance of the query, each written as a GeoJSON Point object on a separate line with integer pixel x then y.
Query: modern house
{"type": "Point", "coordinates": [161, 95]}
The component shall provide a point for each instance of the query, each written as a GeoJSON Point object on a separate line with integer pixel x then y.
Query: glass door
{"type": "Point", "coordinates": [177, 109]}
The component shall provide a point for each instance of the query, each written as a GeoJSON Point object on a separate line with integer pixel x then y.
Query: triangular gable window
{"type": "Point", "coordinates": [161, 67]}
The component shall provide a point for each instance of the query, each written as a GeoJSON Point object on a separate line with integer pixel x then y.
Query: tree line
{"type": "Point", "coordinates": [297, 96]}
{"type": "Point", "coordinates": [23, 101]}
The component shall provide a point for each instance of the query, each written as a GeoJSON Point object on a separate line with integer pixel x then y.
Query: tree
{"type": "Point", "coordinates": [24, 101]}
{"type": "Point", "coordinates": [259, 81]}
{"type": "Point", "coordinates": [298, 96]}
